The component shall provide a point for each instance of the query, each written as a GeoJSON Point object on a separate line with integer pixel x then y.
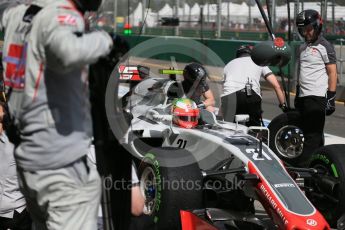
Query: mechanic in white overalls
{"type": "Point", "coordinates": [317, 81]}
{"type": "Point", "coordinates": [242, 79]}
{"type": "Point", "coordinates": [61, 189]}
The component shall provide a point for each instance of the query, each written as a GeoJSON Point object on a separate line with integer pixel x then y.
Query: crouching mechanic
{"type": "Point", "coordinates": [195, 86]}
{"type": "Point", "coordinates": [61, 189]}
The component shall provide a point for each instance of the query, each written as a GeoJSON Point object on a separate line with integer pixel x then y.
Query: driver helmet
{"type": "Point", "coordinates": [194, 71]}
{"type": "Point", "coordinates": [185, 113]}
{"type": "Point", "coordinates": [309, 19]}
{"type": "Point", "coordinates": [244, 50]}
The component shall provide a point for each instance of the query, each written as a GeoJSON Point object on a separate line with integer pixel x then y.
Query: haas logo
{"type": "Point", "coordinates": [311, 222]}
{"type": "Point", "coordinates": [129, 73]}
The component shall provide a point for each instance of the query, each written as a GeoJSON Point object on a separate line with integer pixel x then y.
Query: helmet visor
{"type": "Point", "coordinates": [188, 118]}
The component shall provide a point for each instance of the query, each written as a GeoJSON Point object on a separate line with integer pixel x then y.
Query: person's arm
{"type": "Point", "coordinates": [276, 86]}
{"type": "Point", "coordinates": [330, 60]}
{"type": "Point", "coordinates": [332, 77]}
{"type": "Point", "coordinates": [4, 9]}
{"type": "Point", "coordinates": [137, 198]}
{"type": "Point", "coordinates": [65, 38]}
{"type": "Point", "coordinates": [137, 202]}
{"type": "Point", "coordinates": [209, 98]}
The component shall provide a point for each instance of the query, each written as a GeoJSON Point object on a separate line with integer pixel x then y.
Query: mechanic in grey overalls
{"type": "Point", "coordinates": [61, 189]}
{"type": "Point", "coordinates": [15, 20]}
{"type": "Point", "coordinates": [13, 213]}
{"type": "Point", "coordinates": [242, 79]}
{"type": "Point", "coordinates": [15, 23]}
{"type": "Point", "coordinates": [317, 79]}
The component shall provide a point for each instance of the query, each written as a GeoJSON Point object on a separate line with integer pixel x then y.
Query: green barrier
{"type": "Point", "coordinates": [205, 33]}
{"type": "Point", "coordinates": [225, 49]}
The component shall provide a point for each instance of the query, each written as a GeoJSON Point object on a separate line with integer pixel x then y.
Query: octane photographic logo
{"type": "Point", "coordinates": [123, 105]}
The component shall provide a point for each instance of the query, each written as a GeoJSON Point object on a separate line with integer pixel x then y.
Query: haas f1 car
{"type": "Point", "coordinates": [209, 176]}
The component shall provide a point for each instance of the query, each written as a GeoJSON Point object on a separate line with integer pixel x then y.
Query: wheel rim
{"type": "Point", "coordinates": [289, 141]}
{"type": "Point", "coordinates": [148, 187]}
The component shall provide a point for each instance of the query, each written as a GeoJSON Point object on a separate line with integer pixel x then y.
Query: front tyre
{"type": "Point", "coordinates": [286, 137]}
{"type": "Point", "coordinates": [169, 189]}
{"type": "Point", "coordinates": [327, 189]}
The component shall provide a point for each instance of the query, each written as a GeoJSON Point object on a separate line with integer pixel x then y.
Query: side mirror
{"type": "Point", "coordinates": [207, 117]}
{"type": "Point", "coordinates": [241, 118]}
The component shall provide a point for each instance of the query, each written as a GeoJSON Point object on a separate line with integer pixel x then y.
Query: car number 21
{"type": "Point", "coordinates": [181, 143]}
{"type": "Point", "coordinates": [256, 156]}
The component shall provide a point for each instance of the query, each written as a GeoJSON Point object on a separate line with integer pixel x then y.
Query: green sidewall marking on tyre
{"type": "Point", "coordinates": [327, 161]}
{"type": "Point", "coordinates": [155, 219]}
{"type": "Point", "coordinates": [334, 169]}
{"type": "Point", "coordinates": [321, 157]}
{"type": "Point", "coordinates": [150, 155]}
{"type": "Point", "coordinates": [158, 197]}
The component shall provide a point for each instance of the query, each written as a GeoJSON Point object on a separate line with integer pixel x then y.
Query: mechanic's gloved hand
{"type": "Point", "coordinates": [283, 107]}
{"type": "Point", "coordinates": [119, 41]}
{"type": "Point", "coordinates": [330, 105]}
{"type": "Point", "coordinates": [201, 106]}
{"type": "Point", "coordinates": [120, 47]}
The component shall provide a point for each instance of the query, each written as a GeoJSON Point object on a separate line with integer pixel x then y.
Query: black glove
{"type": "Point", "coordinates": [201, 106]}
{"type": "Point", "coordinates": [283, 107]}
{"type": "Point", "coordinates": [120, 48]}
{"type": "Point", "coordinates": [330, 105]}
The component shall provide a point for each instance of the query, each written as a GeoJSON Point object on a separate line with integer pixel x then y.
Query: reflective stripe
{"type": "Point", "coordinates": [37, 84]}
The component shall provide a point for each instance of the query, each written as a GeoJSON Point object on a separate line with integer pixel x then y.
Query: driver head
{"type": "Point", "coordinates": [309, 24]}
{"type": "Point", "coordinates": [244, 50]}
{"type": "Point", "coordinates": [194, 71]}
{"type": "Point", "coordinates": [185, 113]}
{"type": "Point", "coordinates": [88, 5]}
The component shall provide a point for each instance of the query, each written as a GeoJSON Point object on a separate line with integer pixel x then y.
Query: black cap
{"type": "Point", "coordinates": [244, 50]}
{"type": "Point", "coordinates": [309, 17]}
{"type": "Point", "coordinates": [194, 71]}
{"type": "Point", "coordinates": [88, 5]}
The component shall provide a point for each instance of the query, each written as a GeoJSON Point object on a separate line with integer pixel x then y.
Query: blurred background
{"type": "Point", "coordinates": [229, 15]}
{"type": "Point", "coordinates": [223, 25]}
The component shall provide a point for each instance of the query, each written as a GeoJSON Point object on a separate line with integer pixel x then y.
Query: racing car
{"type": "Point", "coordinates": [208, 176]}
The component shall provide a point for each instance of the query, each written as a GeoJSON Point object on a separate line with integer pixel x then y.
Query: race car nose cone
{"type": "Point", "coordinates": [271, 53]}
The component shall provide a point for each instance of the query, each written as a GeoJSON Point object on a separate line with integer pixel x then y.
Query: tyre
{"type": "Point", "coordinates": [286, 138]}
{"type": "Point", "coordinates": [169, 189]}
{"type": "Point", "coordinates": [327, 189]}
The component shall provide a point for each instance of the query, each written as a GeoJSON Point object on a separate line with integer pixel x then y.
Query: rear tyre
{"type": "Point", "coordinates": [327, 189]}
{"type": "Point", "coordinates": [169, 189]}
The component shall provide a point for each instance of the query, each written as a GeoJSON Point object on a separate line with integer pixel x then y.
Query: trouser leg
{"type": "Point", "coordinates": [250, 105]}
{"type": "Point", "coordinates": [312, 111]}
{"type": "Point", "coordinates": [65, 198]}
